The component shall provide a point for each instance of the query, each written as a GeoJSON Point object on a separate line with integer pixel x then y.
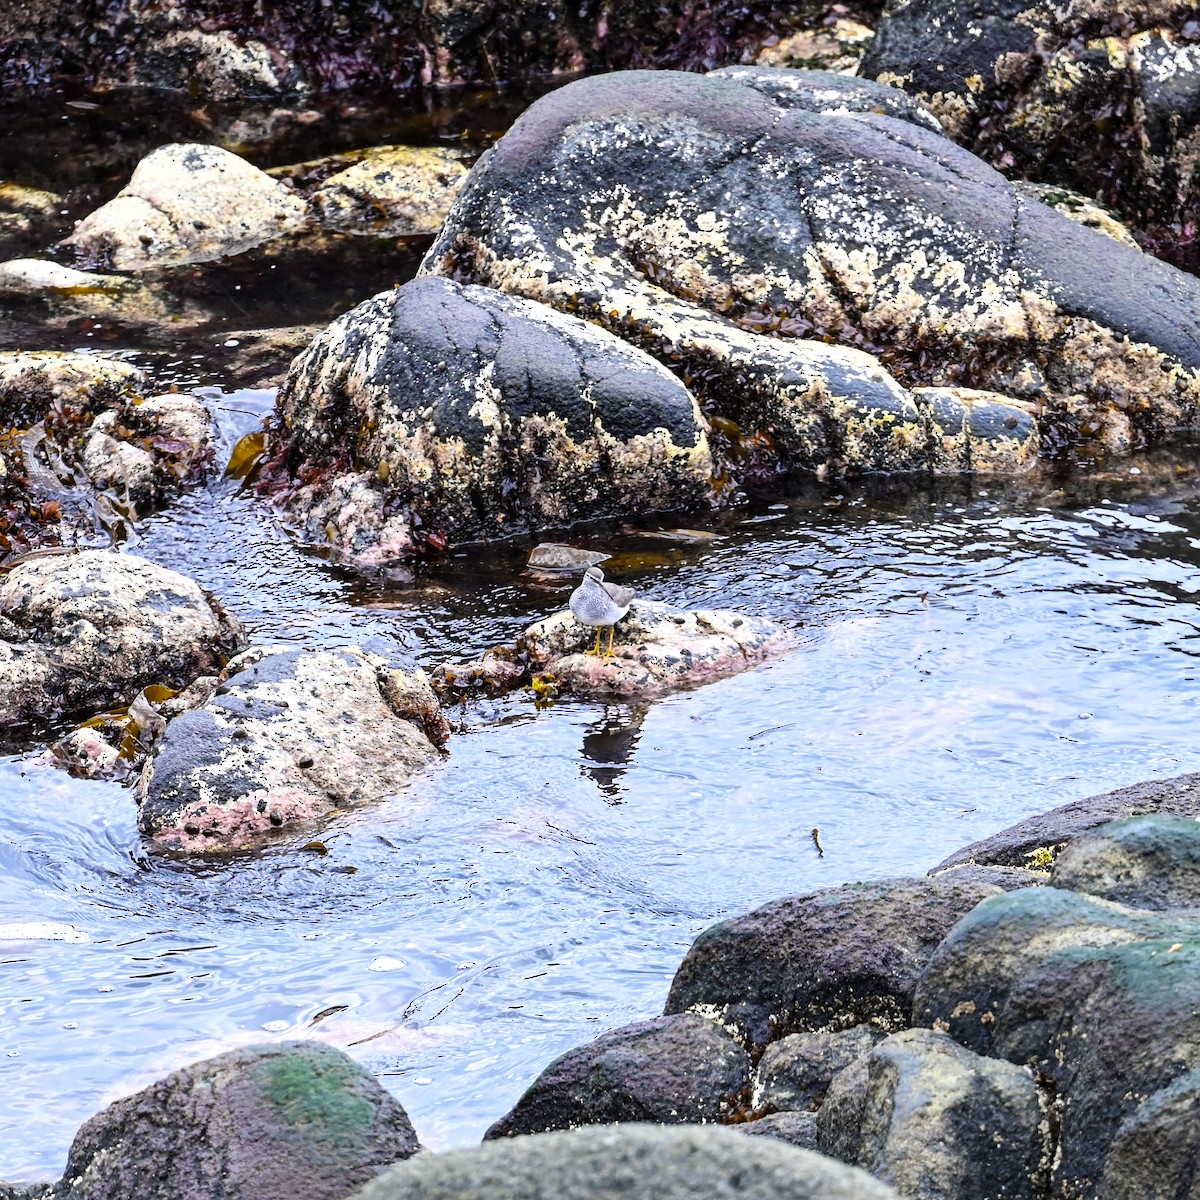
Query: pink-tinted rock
{"type": "Point", "coordinates": [657, 649]}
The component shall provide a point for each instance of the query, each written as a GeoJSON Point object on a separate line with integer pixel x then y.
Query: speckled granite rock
{"type": "Point", "coordinates": [293, 1121]}
{"type": "Point", "coordinates": [288, 737]}
{"type": "Point", "coordinates": [439, 413]}
{"type": "Point", "coordinates": [627, 1162]}
{"type": "Point", "coordinates": [185, 204]}
{"type": "Point", "coordinates": [657, 648]}
{"type": "Point", "coordinates": [87, 631]}
{"type": "Point", "coordinates": [976, 328]}
{"type": "Point", "coordinates": [678, 1070]}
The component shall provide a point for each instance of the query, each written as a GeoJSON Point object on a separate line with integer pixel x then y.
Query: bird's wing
{"type": "Point", "coordinates": [621, 596]}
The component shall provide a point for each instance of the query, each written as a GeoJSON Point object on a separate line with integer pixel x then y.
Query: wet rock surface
{"type": "Point", "coordinates": [440, 413]}
{"type": "Point", "coordinates": [294, 1121]}
{"type": "Point", "coordinates": [670, 1071]}
{"type": "Point", "coordinates": [657, 648]}
{"type": "Point", "coordinates": [286, 738]}
{"type": "Point", "coordinates": [81, 632]}
{"type": "Point", "coordinates": [794, 1072]}
{"type": "Point", "coordinates": [828, 960]}
{"type": "Point", "coordinates": [842, 287]}
{"type": "Point", "coordinates": [185, 204]}
{"type": "Point", "coordinates": [1099, 96]}
{"type": "Point", "coordinates": [633, 1161]}
{"type": "Point", "coordinates": [938, 1122]}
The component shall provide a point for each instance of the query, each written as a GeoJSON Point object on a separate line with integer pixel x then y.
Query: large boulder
{"type": "Point", "coordinates": [627, 1162]}
{"type": "Point", "coordinates": [286, 738]}
{"type": "Point", "coordinates": [795, 1072]}
{"type": "Point", "coordinates": [1156, 1149]}
{"type": "Point", "coordinates": [827, 960]}
{"type": "Point", "coordinates": [86, 631]}
{"type": "Point", "coordinates": [439, 412]}
{"type": "Point", "coordinates": [839, 284]}
{"type": "Point", "coordinates": [293, 1121]}
{"type": "Point", "coordinates": [1098, 95]}
{"type": "Point", "coordinates": [1101, 1001]}
{"type": "Point", "coordinates": [938, 1122]}
{"type": "Point", "coordinates": [186, 204]}
{"type": "Point", "coordinates": [671, 1071]}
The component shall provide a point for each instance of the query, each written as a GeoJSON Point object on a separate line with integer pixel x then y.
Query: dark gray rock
{"type": "Point", "coordinates": [795, 1128]}
{"type": "Point", "coordinates": [438, 412]}
{"type": "Point", "coordinates": [1145, 862]}
{"type": "Point", "coordinates": [693, 216]}
{"type": "Point", "coordinates": [87, 631]}
{"type": "Point", "coordinates": [288, 737]}
{"type": "Point", "coordinates": [1096, 95]}
{"type": "Point", "coordinates": [1101, 1001]}
{"type": "Point", "coordinates": [25, 1191]}
{"type": "Point", "coordinates": [627, 1162]}
{"type": "Point", "coordinates": [670, 1070]}
{"type": "Point", "coordinates": [1022, 843]}
{"type": "Point", "coordinates": [938, 1122]}
{"type": "Point", "coordinates": [1155, 1153]}
{"type": "Point", "coordinates": [794, 1073]}
{"type": "Point", "coordinates": [827, 960]}
{"type": "Point", "coordinates": [293, 1121]}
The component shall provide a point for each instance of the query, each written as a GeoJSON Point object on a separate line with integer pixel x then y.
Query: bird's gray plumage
{"type": "Point", "coordinates": [597, 603]}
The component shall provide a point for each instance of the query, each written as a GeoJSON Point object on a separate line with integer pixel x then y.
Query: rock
{"type": "Point", "coordinates": [827, 960]}
{"type": "Point", "coordinates": [1145, 862]}
{"type": "Point", "coordinates": [224, 66]}
{"type": "Point", "coordinates": [439, 413]}
{"type": "Point", "coordinates": [1101, 1001]}
{"type": "Point", "coordinates": [554, 556]}
{"type": "Point", "coordinates": [1095, 95]}
{"type": "Point", "coordinates": [499, 670]}
{"type": "Point", "coordinates": [1083, 209]}
{"type": "Point", "coordinates": [670, 1071]}
{"type": "Point", "coordinates": [658, 648]}
{"type": "Point", "coordinates": [25, 276]}
{"type": "Point", "coordinates": [25, 1191]}
{"type": "Point", "coordinates": [31, 381]}
{"type": "Point", "coordinates": [291, 1121]}
{"type": "Point", "coordinates": [795, 1128]}
{"type": "Point", "coordinates": [937, 1122]}
{"type": "Point", "coordinates": [1155, 1151]}
{"type": "Point", "coordinates": [396, 191]}
{"type": "Point", "coordinates": [633, 1162]}
{"type": "Point", "coordinates": [87, 754]}
{"type": "Point", "coordinates": [185, 204]}
{"type": "Point", "coordinates": [794, 1073]}
{"type": "Point", "coordinates": [835, 46]}
{"type": "Point", "coordinates": [287, 738]}
{"type": "Point", "coordinates": [1038, 839]}
{"type": "Point", "coordinates": [87, 631]}
{"type": "Point", "coordinates": [842, 288]}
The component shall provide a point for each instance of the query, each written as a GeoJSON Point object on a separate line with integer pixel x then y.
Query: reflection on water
{"type": "Point", "coordinates": [964, 661]}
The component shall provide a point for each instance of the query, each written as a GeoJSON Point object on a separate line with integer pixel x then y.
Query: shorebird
{"type": "Point", "coordinates": [601, 604]}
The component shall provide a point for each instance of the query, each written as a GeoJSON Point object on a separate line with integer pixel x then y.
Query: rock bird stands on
{"type": "Point", "coordinates": [595, 602]}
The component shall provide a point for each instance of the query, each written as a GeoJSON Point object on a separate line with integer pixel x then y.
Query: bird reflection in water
{"type": "Point", "coordinates": [608, 747]}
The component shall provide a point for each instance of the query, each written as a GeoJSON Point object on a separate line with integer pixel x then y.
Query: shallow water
{"type": "Point", "coordinates": [964, 663]}
{"type": "Point", "coordinates": [965, 660]}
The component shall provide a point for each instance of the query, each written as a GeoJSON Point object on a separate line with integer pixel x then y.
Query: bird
{"type": "Point", "coordinates": [601, 604]}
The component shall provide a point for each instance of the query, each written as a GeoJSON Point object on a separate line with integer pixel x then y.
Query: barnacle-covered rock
{"type": "Point", "coordinates": [186, 204]}
{"type": "Point", "coordinates": [812, 255]}
{"type": "Point", "coordinates": [87, 631]}
{"type": "Point", "coordinates": [288, 737]}
{"type": "Point", "coordinates": [1098, 95]}
{"type": "Point", "coordinates": [438, 412]}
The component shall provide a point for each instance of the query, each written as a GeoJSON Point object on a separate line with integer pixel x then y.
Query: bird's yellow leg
{"type": "Point", "coordinates": [596, 648]}
{"type": "Point", "coordinates": [612, 630]}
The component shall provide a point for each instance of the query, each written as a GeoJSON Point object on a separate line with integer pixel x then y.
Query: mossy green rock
{"type": "Point", "coordinates": [294, 1121]}
{"type": "Point", "coordinates": [1100, 1000]}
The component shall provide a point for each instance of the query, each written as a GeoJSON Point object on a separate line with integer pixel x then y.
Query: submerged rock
{"type": "Point", "coordinates": [677, 1070]}
{"type": "Point", "coordinates": [288, 737]}
{"type": "Point", "coordinates": [827, 960]}
{"type": "Point", "coordinates": [185, 204]}
{"type": "Point", "coordinates": [938, 1122]}
{"type": "Point", "coordinates": [635, 1162]}
{"type": "Point", "coordinates": [438, 412]}
{"type": "Point", "coordinates": [87, 631]}
{"type": "Point", "coordinates": [837, 282]}
{"type": "Point", "coordinates": [555, 556]}
{"type": "Point", "coordinates": [657, 648]}
{"type": "Point", "coordinates": [294, 1121]}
